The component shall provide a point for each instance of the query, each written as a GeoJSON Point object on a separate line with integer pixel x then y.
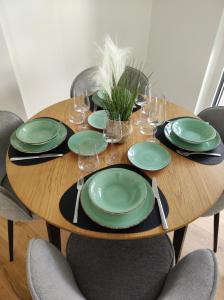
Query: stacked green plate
{"type": "Point", "coordinates": [38, 135]}
{"type": "Point", "coordinates": [171, 134]}
{"type": "Point", "coordinates": [117, 198]}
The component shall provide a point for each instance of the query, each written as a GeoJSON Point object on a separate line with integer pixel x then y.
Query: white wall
{"type": "Point", "coordinates": [10, 98]}
{"type": "Point", "coordinates": [51, 41]}
{"type": "Point", "coordinates": [214, 70]}
{"type": "Point", "coordinates": [181, 39]}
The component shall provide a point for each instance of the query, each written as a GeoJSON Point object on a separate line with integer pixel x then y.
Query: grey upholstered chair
{"type": "Point", "coordinates": [84, 80]}
{"type": "Point", "coordinates": [98, 269]}
{"type": "Point", "coordinates": [11, 207]}
{"type": "Point", "coordinates": [215, 116]}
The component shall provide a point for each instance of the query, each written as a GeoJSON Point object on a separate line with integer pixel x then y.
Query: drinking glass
{"type": "Point", "coordinates": [112, 134]}
{"type": "Point", "coordinates": [145, 127]}
{"type": "Point", "coordinates": [141, 100]}
{"type": "Point", "coordinates": [82, 105]}
{"type": "Point", "coordinates": [88, 162]}
{"type": "Point", "coordinates": [157, 113]}
{"type": "Point", "coordinates": [75, 117]}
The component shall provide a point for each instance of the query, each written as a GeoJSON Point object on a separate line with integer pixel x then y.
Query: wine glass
{"type": "Point", "coordinates": [112, 134]}
{"type": "Point", "coordinates": [141, 100]}
{"type": "Point", "coordinates": [156, 113]}
{"type": "Point", "coordinates": [88, 161]}
{"type": "Point", "coordinates": [82, 105]}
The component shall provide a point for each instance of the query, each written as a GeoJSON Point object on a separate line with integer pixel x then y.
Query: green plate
{"type": "Point", "coordinates": [98, 119]}
{"type": "Point", "coordinates": [85, 141]}
{"type": "Point", "coordinates": [149, 156]}
{"type": "Point", "coordinates": [206, 146]}
{"type": "Point", "coordinates": [193, 131]}
{"type": "Point", "coordinates": [117, 190]}
{"type": "Point", "coordinates": [117, 221]}
{"type": "Point", "coordinates": [27, 148]}
{"type": "Point", "coordinates": [98, 98]}
{"type": "Point", "coordinates": [37, 131]}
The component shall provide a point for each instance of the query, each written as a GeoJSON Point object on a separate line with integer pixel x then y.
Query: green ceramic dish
{"type": "Point", "coordinates": [98, 98]}
{"type": "Point", "coordinates": [98, 119]}
{"type": "Point", "coordinates": [206, 146]}
{"type": "Point", "coordinates": [86, 141]}
{"type": "Point", "coordinates": [193, 131]}
{"type": "Point", "coordinates": [117, 221]}
{"type": "Point", "coordinates": [27, 148]}
{"type": "Point", "coordinates": [149, 156]}
{"type": "Point", "coordinates": [117, 190]}
{"type": "Point", "coordinates": [38, 131]}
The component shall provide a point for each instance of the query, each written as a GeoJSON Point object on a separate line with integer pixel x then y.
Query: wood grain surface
{"type": "Point", "coordinates": [190, 188]}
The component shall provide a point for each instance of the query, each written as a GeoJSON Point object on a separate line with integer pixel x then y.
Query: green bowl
{"type": "Point", "coordinates": [117, 190]}
{"type": "Point", "coordinates": [193, 131]}
{"type": "Point", "coordinates": [203, 147]}
{"type": "Point", "coordinates": [37, 131]}
{"type": "Point", "coordinates": [116, 221]}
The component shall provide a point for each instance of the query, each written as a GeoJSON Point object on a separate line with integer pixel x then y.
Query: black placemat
{"type": "Point", "coordinates": [63, 148]}
{"type": "Point", "coordinates": [202, 159]}
{"type": "Point", "coordinates": [67, 208]}
{"type": "Point", "coordinates": [99, 108]}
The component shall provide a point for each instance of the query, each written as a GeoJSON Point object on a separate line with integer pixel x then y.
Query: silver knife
{"type": "Point", "coordinates": [161, 211]}
{"type": "Point", "coordinates": [35, 156]}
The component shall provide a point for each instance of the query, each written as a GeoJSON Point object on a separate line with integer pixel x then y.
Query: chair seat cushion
{"type": "Point", "coordinates": [6, 184]}
{"type": "Point", "coordinates": [120, 270]}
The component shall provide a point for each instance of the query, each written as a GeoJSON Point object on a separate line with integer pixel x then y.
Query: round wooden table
{"type": "Point", "coordinates": [191, 188]}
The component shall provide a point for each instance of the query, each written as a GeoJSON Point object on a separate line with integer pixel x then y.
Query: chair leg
{"type": "Point", "coordinates": [216, 232]}
{"type": "Point", "coordinates": [10, 238]}
{"type": "Point", "coordinates": [54, 235]}
{"type": "Point", "coordinates": [178, 241]}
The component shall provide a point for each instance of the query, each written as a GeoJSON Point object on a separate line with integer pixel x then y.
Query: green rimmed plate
{"type": "Point", "coordinates": [38, 131]}
{"type": "Point", "coordinates": [193, 131]}
{"type": "Point", "coordinates": [86, 141]}
{"type": "Point", "coordinates": [27, 148]}
{"type": "Point", "coordinates": [206, 146]}
{"type": "Point", "coordinates": [149, 156]}
{"type": "Point", "coordinates": [98, 119]}
{"type": "Point", "coordinates": [98, 98]}
{"type": "Point", "coordinates": [117, 221]}
{"type": "Point", "coordinates": [117, 190]}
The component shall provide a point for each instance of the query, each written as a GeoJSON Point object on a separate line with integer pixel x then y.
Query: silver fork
{"type": "Point", "coordinates": [184, 153]}
{"type": "Point", "coordinates": [80, 183]}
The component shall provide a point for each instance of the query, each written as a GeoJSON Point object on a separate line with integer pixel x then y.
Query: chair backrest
{"type": "Point", "coordinates": [127, 269]}
{"type": "Point", "coordinates": [84, 80]}
{"type": "Point", "coordinates": [215, 116]}
{"type": "Point", "coordinates": [8, 123]}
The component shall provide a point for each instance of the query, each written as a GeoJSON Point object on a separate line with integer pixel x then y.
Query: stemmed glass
{"type": "Point", "coordinates": [88, 162]}
{"type": "Point", "coordinates": [157, 113]}
{"type": "Point", "coordinates": [112, 134]}
{"type": "Point", "coordinates": [82, 105]}
{"type": "Point", "coordinates": [141, 100]}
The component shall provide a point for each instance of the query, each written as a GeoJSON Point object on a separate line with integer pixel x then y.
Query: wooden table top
{"type": "Point", "coordinates": [190, 188]}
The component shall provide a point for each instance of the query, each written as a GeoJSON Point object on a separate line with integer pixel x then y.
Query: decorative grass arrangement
{"type": "Point", "coordinates": [122, 86]}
